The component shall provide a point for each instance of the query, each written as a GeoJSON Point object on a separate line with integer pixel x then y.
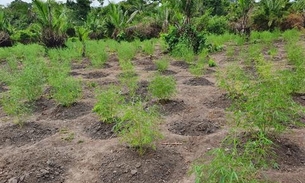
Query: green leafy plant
{"type": "Point", "coordinates": [65, 90]}
{"type": "Point", "coordinates": [109, 103]}
{"type": "Point", "coordinates": [162, 64]}
{"type": "Point", "coordinates": [148, 47]}
{"type": "Point", "coordinates": [212, 63]}
{"type": "Point", "coordinates": [162, 87]}
{"type": "Point", "coordinates": [139, 127]}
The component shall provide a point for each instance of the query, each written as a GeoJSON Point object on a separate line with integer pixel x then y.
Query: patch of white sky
{"type": "Point", "coordinates": [94, 2]}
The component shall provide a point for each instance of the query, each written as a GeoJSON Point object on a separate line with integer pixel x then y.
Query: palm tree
{"type": "Point", "coordinates": [5, 31]}
{"type": "Point", "coordinates": [53, 22]}
{"type": "Point", "coordinates": [82, 33]}
{"type": "Point", "coordinates": [119, 19]}
{"type": "Point", "coordinates": [274, 11]}
{"type": "Point", "coordinates": [245, 7]}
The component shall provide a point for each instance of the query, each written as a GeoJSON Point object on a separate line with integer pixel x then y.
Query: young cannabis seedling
{"type": "Point", "coordinates": [212, 63]}
{"type": "Point", "coordinates": [66, 90]}
{"type": "Point", "coordinates": [162, 64]}
{"type": "Point", "coordinates": [162, 87]}
{"type": "Point", "coordinates": [139, 127]}
{"type": "Point", "coordinates": [148, 47]}
{"type": "Point", "coordinates": [109, 103]}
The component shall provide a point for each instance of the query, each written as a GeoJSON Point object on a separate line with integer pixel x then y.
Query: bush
{"type": "Point", "coordinates": [138, 127]}
{"type": "Point", "coordinates": [293, 21]}
{"type": "Point", "coordinates": [65, 90]}
{"type": "Point", "coordinates": [186, 35]}
{"type": "Point", "coordinates": [162, 64]}
{"type": "Point", "coordinates": [217, 25]}
{"type": "Point", "coordinates": [162, 87]}
{"type": "Point", "coordinates": [142, 31]}
{"type": "Point", "coordinates": [108, 104]}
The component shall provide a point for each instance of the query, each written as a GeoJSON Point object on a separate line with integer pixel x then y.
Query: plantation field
{"type": "Point", "coordinates": [54, 127]}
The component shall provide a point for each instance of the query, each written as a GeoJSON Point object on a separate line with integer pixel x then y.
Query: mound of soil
{"type": "Point", "coordinates": [145, 61]}
{"type": "Point", "coordinates": [43, 104]}
{"type": "Point", "coordinates": [221, 102]}
{"type": "Point", "coordinates": [154, 167]}
{"type": "Point", "coordinates": [299, 98]}
{"type": "Point", "coordinates": [150, 68]}
{"type": "Point", "coordinates": [193, 128]}
{"type": "Point", "coordinates": [73, 73]}
{"type": "Point", "coordinates": [142, 89]}
{"type": "Point", "coordinates": [44, 165]}
{"type": "Point", "coordinates": [3, 88]}
{"type": "Point", "coordinates": [181, 64]}
{"type": "Point", "coordinates": [30, 133]}
{"type": "Point", "coordinates": [95, 75]}
{"type": "Point", "coordinates": [209, 71]}
{"type": "Point", "coordinates": [84, 64]}
{"type": "Point", "coordinates": [74, 111]}
{"type": "Point", "coordinates": [288, 154]}
{"type": "Point", "coordinates": [168, 72]}
{"type": "Point", "coordinates": [168, 107]}
{"type": "Point", "coordinates": [198, 82]}
{"type": "Point", "coordinates": [100, 130]}
{"type": "Point", "coordinates": [127, 74]}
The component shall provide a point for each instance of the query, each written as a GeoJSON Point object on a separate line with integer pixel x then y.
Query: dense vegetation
{"type": "Point", "coordinates": [58, 34]}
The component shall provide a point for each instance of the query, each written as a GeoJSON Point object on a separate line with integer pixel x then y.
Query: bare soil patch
{"type": "Point", "coordinates": [43, 104]}
{"type": "Point", "coordinates": [3, 88]}
{"type": "Point", "coordinates": [181, 64]}
{"type": "Point", "coordinates": [168, 107]}
{"type": "Point", "coordinates": [94, 75]}
{"type": "Point", "coordinates": [30, 132]}
{"type": "Point", "coordinates": [168, 72]}
{"type": "Point", "coordinates": [200, 81]}
{"type": "Point", "coordinates": [154, 167]}
{"type": "Point", "coordinates": [218, 101]}
{"type": "Point", "coordinates": [100, 130]}
{"type": "Point", "coordinates": [299, 98]}
{"type": "Point", "coordinates": [142, 89]}
{"type": "Point", "coordinates": [193, 127]}
{"type": "Point", "coordinates": [72, 112]}
{"type": "Point", "coordinates": [44, 165]}
{"type": "Point", "coordinates": [288, 154]}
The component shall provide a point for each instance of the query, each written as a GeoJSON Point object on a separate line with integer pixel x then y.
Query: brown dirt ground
{"type": "Point", "coordinates": [71, 145]}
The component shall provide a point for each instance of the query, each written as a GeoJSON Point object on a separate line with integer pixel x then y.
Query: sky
{"type": "Point", "coordinates": [95, 3]}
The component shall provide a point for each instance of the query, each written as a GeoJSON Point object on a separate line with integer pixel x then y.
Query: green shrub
{"type": "Point", "coordinates": [148, 47]}
{"type": "Point", "coordinates": [139, 127]}
{"type": "Point", "coordinates": [31, 80]}
{"type": "Point", "coordinates": [186, 35]}
{"type": "Point", "coordinates": [162, 87]}
{"type": "Point", "coordinates": [217, 25]}
{"type": "Point", "coordinates": [126, 50]}
{"type": "Point", "coordinates": [109, 104]}
{"type": "Point", "coordinates": [162, 64]}
{"type": "Point", "coordinates": [65, 90]}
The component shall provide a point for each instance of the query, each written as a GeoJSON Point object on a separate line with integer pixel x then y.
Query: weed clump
{"type": "Point", "coordinates": [108, 105]}
{"type": "Point", "coordinates": [162, 87]}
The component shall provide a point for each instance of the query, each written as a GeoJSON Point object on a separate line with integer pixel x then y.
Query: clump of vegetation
{"type": "Point", "coordinates": [139, 127]}
{"type": "Point", "coordinates": [212, 63]}
{"type": "Point", "coordinates": [148, 47]}
{"type": "Point", "coordinates": [109, 104]}
{"type": "Point", "coordinates": [162, 87]}
{"type": "Point", "coordinates": [162, 64]}
{"type": "Point", "coordinates": [186, 36]}
{"type": "Point", "coordinates": [65, 90]}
